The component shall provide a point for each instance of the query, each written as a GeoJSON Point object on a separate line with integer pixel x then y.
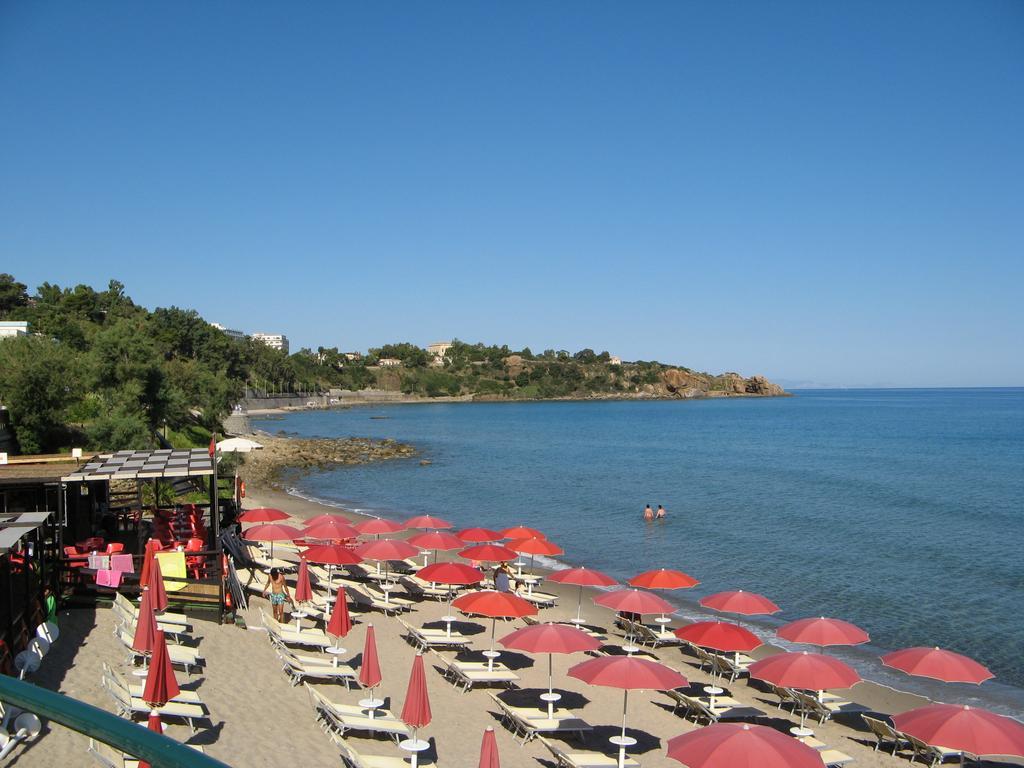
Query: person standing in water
{"type": "Point", "coordinates": [660, 514]}
{"type": "Point", "coordinates": [648, 513]}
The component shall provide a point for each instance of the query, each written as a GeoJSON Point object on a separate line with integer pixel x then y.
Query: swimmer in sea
{"type": "Point", "coordinates": [648, 513]}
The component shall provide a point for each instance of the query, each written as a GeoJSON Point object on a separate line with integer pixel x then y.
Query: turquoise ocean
{"type": "Point", "coordinates": [899, 510]}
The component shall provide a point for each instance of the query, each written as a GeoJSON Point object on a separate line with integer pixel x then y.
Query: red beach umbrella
{"type": "Point", "coordinates": [145, 626]}
{"type": "Point", "coordinates": [416, 711]}
{"type": "Point", "coordinates": [427, 521]}
{"type": "Point", "coordinates": [741, 745]}
{"type": "Point", "coordinates": [330, 529]}
{"type": "Point", "coordinates": [479, 535]}
{"type": "Point", "coordinates": [535, 546]}
{"type": "Point", "coordinates": [326, 517]}
{"type": "Point", "coordinates": [161, 684]}
{"type": "Point", "coordinates": [810, 671]}
{"type": "Point", "coordinates": [303, 592]}
{"type": "Point", "coordinates": [822, 632]}
{"type": "Point", "coordinates": [488, 553]}
{"type": "Point", "coordinates": [369, 670]}
{"type": "Point", "coordinates": [340, 623]}
{"type": "Point", "coordinates": [435, 540]}
{"type": "Point", "coordinates": [522, 532]}
{"type": "Point", "coordinates": [634, 601]}
{"type": "Point", "coordinates": [965, 729]}
{"type": "Point", "coordinates": [582, 577]}
{"type": "Point", "coordinates": [377, 526]}
{"type": "Point", "coordinates": [262, 515]}
{"type": "Point", "coordinates": [550, 639]}
{"type": "Point", "coordinates": [938, 664]}
{"type": "Point", "coordinates": [157, 592]}
{"type": "Point", "coordinates": [495, 605]}
{"type": "Point", "coordinates": [745, 603]}
{"type": "Point", "coordinates": [154, 724]}
{"type": "Point", "coordinates": [386, 549]}
{"type": "Point", "coordinates": [489, 750]}
{"type": "Point", "coordinates": [152, 546]}
{"type": "Point", "coordinates": [663, 578]}
{"type": "Point", "coordinates": [451, 573]}
{"type": "Point", "coordinates": [331, 555]}
{"type": "Point", "coordinates": [719, 636]}
{"type": "Point", "coordinates": [628, 673]}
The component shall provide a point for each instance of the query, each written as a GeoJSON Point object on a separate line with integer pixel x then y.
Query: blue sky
{"type": "Point", "coordinates": [818, 192]}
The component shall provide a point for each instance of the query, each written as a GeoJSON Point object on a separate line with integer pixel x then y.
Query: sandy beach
{"type": "Point", "coordinates": [257, 718]}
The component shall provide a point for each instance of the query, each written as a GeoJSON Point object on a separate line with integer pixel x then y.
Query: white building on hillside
{"type": "Point", "coordinates": [389, 362]}
{"type": "Point", "coordinates": [276, 341]}
{"type": "Point", "coordinates": [231, 333]}
{"type": "Point", "coordinates": [614, 360]}
{"type": "Point", "coordinates": [438, 350]}
{"type": "Point", "coordinates": [10, 328]}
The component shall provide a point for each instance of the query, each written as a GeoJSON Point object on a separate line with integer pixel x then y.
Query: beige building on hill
{"type": "Point", "coordinates": [438, 350]}
{"type": "Point", "coordinates": [389, 362]}
{"type": "Point", "coordinates": [276, 341]}
{"type": "Point", "coordinates": [9, 328]}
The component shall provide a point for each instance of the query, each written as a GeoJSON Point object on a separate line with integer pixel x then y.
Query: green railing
{"type": "Point", "coordinates": [159, 751]}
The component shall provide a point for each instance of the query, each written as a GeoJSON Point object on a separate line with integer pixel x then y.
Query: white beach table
{"type": "Point", "coordinates": [371, 705]}
{"type": "Point", "coordinates": [622, 742]}
{"type": "Point", "coordinates": [335, 651]}
{"type": "Point", "coordinates": [298, 616]}
{"type": "Point", "coordinates": [413, 747]}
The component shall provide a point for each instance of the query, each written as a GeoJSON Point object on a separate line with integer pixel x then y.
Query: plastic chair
{"type": "Point", "coordinates": [114, 548]}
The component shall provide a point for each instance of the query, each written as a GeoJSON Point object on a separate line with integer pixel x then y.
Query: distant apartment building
{"type": "Point", "coordinates": [389, 362]}
{"type": "Point", "coordinates": [10, 328]}
{"type": "Point", "coordinates": [613, 360]}
{"type": "Point", "coordinates": [276, 341]}
{"type": "Point", "coordinates": [231, 333]}
{"type": "Point", "coordinates": [353, 356]}
{"type": "Point", "coordinates": [438, 350]}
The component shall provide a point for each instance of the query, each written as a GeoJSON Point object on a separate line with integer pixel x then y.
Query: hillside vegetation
{"type": "Point", "coordinates": [102, 372]}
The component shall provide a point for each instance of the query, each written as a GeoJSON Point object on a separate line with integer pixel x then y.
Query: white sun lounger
{"type": "Point", "coordinates": [131, 706]}
{"type": "Point", "coordinates": [527, 723]}
{"type": "Point", "coordinates": [167, 617]}
{"type": "Point", "coordinates": [180, 655]}
{"type": "Point", "coordinates": [578, 759]}
{"type": "Point", "coordinates": [341, 718]}
{"type": "Point", "coordinates": [109, 757]}
{"type": "Point", "coordinates": [136, 689]}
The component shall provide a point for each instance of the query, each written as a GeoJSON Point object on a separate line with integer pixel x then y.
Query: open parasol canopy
{"type": "Point", "coordinates": [965, 729]}
{"type": "Point", "coordinates": [494, 605]}
{"type": "Point", "coordinates": [522, 532]}
{"type": "Point", "coordinates": [822, 632]}
{"type": "Point", "coordinates": [262, 515]}
{"type": "Point", "coordinates": [378, 525]}
{"type": "Point", "coordinates": [738, 601]}
{"type": "Point", "coordinates": [335, 528]}
{"type": "Point", "coordinates": [741, 745]}
{"type": "Point", "coordinates": [809, 671]}
{"type": "Point", "coordinates": [535, 545]}
{"type": "Point", "coordinates": [938, 664]}
{"type": "Point", "coordinates": [479, 535]}
{"type": "Point", "coordinates": [719, 636]}
{"type": "Point", "coordinates": [450, 573]}
{"type": "Point", "coordinates": [634, 601]}
{"type": "Point", "coordinates": [435, 540]}
{"type": "Point", "coordinates": [427, 521]}
{"type": "Point", "coordinates": [663, 578]}
{"type": "Point", "coordinates": [488, 553]}
{"type": "Point", "coordinates": [581, 577]}
{"type": "Point", "coordinates": [550, 639]}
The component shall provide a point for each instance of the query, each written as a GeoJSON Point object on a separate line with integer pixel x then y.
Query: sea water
{"type": "Point", "coordinates": [899, 510]}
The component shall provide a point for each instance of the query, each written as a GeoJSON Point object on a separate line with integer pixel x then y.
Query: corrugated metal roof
{"type": "Point", "coordinates": [131, 465]}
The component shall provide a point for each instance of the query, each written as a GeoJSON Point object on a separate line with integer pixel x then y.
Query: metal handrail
{"type": "Point", "coordinates": [158, 750]}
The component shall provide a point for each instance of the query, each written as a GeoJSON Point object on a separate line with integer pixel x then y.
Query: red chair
{"type": "Point", "coordinates": [78, 560]}
{"type": "Point", "coordinates": [114, 548]}
{"type": "Point", "coordinates": [194, 564]}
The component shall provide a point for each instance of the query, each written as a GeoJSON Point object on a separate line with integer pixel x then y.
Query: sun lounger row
{"type": "Point", "coordinates": [886, 735]}
{"type": "Point", "coordinates": [300, 667]}
{"type": "Point", "coordinates": [338, 719]}
{"type": "Point", "coordinates": [424, 638]}
{"type": "Point", "coordinates": [109, 757]}
{"type": "Point", "coordinates": [126, 608]}
{"type": "Point", "coordinates": [527, 723]}
{"type": "Point", "coordinates": [466, 674]}
{"type": "Point", "coordinates": [566, 758]}
{"type": "Point", "coordinates": [291, 635]}
{"type": "Point", "coordinates": [180, 655]}
{"type": "Point", "coordinates": [133, 707]}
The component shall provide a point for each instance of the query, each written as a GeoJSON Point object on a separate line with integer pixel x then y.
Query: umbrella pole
{"type": "Point", "coordinates": [490, 658]}
{"type": "Point", "coordinates": [579, 606]}
{"type": "Point", "coordinates": [330, 579]}
{"type": "Point", "coordinates": [622, 740]}
{"type": "Point", "coordinates": [551, 689]}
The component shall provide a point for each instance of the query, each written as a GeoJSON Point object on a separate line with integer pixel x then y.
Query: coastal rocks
{"type": "Point", "coordinates": [759, 385]}
{"type": "Point", "coordinates": [687, 384]}
{"type": "Point", "coordinates": [308, 454]}
{"type": "Point", "coordinates": [684, 383]}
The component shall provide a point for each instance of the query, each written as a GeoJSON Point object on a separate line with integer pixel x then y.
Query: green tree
{"type": "Point", "coordinates": [39, 383]}
{"type": "Point", "coordinates": [12, 294]}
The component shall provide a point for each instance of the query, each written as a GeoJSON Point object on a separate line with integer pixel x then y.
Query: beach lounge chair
{"type": "Point", "coordinates": [369, 598]}
{"type": "Point", "coordinates": [315, 638]}
{"type": "Point", "coordinates": [110, 757]}
{"type": "Point", "coordinates": [833, 757]}
{"type": "Point", "coordinates": [786, 696]}
{"type": "Point", "coordinates": [885, 734]}
{"type": "Point", "coordinates": [565, 758]}
{"type": "Point", "coordinates": [299, 669]}
{"type": "Point", "coordinates": [174, 634]}
{"type": "Point", "coordinates": [417, 587]}
{"type": "Point", "coordinates": [466, 674]}
{"type": "Point", "coordinates": [167, 617]}
{"type": "Point", "coordinates": [424, 638]}
{"type": "Point", "coordinates": [809, 705]}
{"type": "Point", "coordinates": [699, 708]}
{"type": "Point", "coordinates": [654, 637]}
{"type": "Point", "coordinates": [728, 666]}
{"type": "Point", "coordinates": [136, 689]}
{"type": "Point", "coordinates": [338, 719]}
{"type": "Point", "coordinates": [264, 561]}
{"type": "Point", "coordinates": [180, 655]}
{"type": "Point", "coordinates": [540, 599]}
{"type": "Point", "coordinates": [932, 756]}
{"type": "Point", "coordinates": [132, 706]}
{"type": "Point", "coordinates": [528, 722]}
{"type": "Point", "coordinates": [353, 759]}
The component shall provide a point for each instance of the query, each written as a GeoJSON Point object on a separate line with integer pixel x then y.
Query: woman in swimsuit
{"type": "Point", "coordinates": [278, 593]}
{"type": "Point", "coordinates": [648, 513]}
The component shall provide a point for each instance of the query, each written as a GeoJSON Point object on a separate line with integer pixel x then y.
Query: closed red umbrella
{"type": "Point", "coordinates": [581, 577]}
{"type": "Point", "coordinates": [161, 684]}
{"type": "Point", "coordinates": [330, 529]}
{"type": "Point", "coordinates": [550, 639]}
{"type": "Point", "coordinates": [810, 671]}
{"type": "Point", "coordinates": [823, 632]}
{"type": "Point", "coordinates": [489, 750]}
{"type": "Point", "coordinates": [627, 673]}
{"type": "Point", "coordinates": [965, 729]}
{"type": "Point", "coordinates": [435, 540]}
{"type": "Point", "coordinates": [340, 623]}
{"type": "Point", "coordinates": [745, 603]}
{"type": "Point", "coordinates": [369, 669]}
{"type": "Point", "coordinates": [416, 710]}
{"type": "Point", "coordinates": [145, 626]}
{"type": "Point", "coordinates": [495, 605]}
{"type": "Point", "coordinates": [938, 664]}
{"type": "Point", "coordinates": [663, 578]}
{"type": "Point", "coordinates": [152, 546]}
{"type": "Point", "coordinates": [303, 591]}
{"type": "Point", "coordinates": [262, 515]}
{"type": "Point", "coordinates": [157, 591]}
{"type": "Point", "coordinates": [488, 553]}
{"type": "Point", "coordinates": [427, 521]}
{"type": "Point", "coordinates": [741, 745]}
{"type": "Point", "coordinates": [522, 532]}
{"type": "Point", "coordinates": [154, 724]}
{"type": "Point", "coordinates": [719, 636]}
{"type": "Point", "coordinates": [331, 555]}
{"type": "Point", "coordinates": [377, 526]}
{"type": "Point", "coordinates": [479, 534]}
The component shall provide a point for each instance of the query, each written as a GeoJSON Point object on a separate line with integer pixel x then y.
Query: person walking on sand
{"type": "Point", "coordinates": [278, 593]}
{"type": "Point", "coordinates": [660, 514]}
{"type": "Point", "coordinates": [648, 513]}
